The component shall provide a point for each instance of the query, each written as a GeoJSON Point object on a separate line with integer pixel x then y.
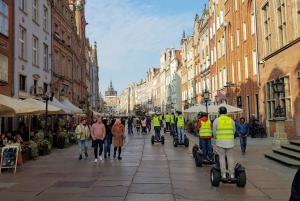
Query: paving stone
{"type": "Point", "coordinates": [152, 174]}
{"type": "Point", "coordinates": [111, 183]}
{"type": "Point", "coordinates": [30, 187]}
{"type": "Point", "coordinates": [197, 194]}
{"type": "Point", "coordinates": [151, 169]}
{"type": "Point", "coordinates": [101, 199]}
{"type": "Point", "coordinates": [192, 185]}
{"type": "Point", "coordinates": [64, 190]}
{"type": "Point", "coordinates": [283, 194]}
{"type": "Point", "coordinates": [232, 189]}
{"type": "Point", "coordinates": [118, 191]}
{"type": "Point", "coordinates": [17, 196]}
{"type": "Point", "coordinates": [271, 184]}
{"type": "Point", "coordinates": [247, 198]}
{"type": "Point", "coordinates": [52, 197]}
{"type": "Point", "coordinates": [149, 197]}
{"type": "Point", "coordinates": [80, 184]}
{"type": "Point", "coordinates": [126, 164]}
{"type": "Point", "coordinates": [144, 180]}
{"type": "Point", "coordinates": [115, 178]}
{"type": "Point", "coordinates": [151, 188]}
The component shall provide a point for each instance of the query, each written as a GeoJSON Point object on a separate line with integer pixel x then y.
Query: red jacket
{"type": "Point", "coordinates": [199, 125]}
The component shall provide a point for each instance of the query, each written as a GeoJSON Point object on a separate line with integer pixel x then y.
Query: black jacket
{"type": "Point", "coordinates": [295, 195]}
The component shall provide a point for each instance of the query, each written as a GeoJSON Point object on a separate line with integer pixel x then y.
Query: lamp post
{"type": "Point", "coordinates": [279, 116]}
{"type": "Point", "coordinates": [206, 98]}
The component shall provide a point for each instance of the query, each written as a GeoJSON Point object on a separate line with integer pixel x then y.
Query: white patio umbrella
{"type": "Point", "coordinates": [198, 108]}
{"type": "Point", "coordinates": [230, 109]}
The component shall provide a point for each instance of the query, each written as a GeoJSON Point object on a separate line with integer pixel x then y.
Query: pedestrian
{"type": "Point", "coordinates": [108, 138]}
{"type": "Point", "coordinates": [180, 127]}
{"type": "Point", "coordinates": [168, 120]}
{"type": "Point", "coordinates": [243, 132]}
{"type": "Point", "coordinates": [129, 125]}
{"type": "Point", "coordinates": [251, 125]}
{"type": "Point", "coordinates": [118, 131]}
{"type": "Point", "coordinates": [123, 121]}
{"type": "Point", "coordinates": [223, 130]}
{"type": "Point", "coordinates": [156, 124]}
{"type": "Point", "coordinates": [149, 123]}
{"type": "Point", "coordinates": [295, 195]}
{"type": "Point", "coordinates": [205, 132]}
{"type": "Point", "coordinates": [93, 122]}
{"type": "Point", "coordinates": [83, 133]}
{"type": "Point", "coordinates": [144, 125]}
{"type": "Point", "coordinates": [98, 135]}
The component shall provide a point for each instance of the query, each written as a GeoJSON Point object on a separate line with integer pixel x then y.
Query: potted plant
{"type": "Point", "coordinates": [25, 151]}
{"type": "Point", "coordinates": [61, 139]}
{"type": "Point", "coordinates": [34, 152]}
{"type": "Point", "coordinates": [72, 137]}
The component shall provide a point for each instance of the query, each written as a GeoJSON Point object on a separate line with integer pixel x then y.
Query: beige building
{"type": "Point", "coordinates": [111, 99]}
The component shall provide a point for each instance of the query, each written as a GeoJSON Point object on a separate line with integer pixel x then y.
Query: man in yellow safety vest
{"type": "Point", "coordinates": [204, 127]}
{"type": "Point", "coordinates": [223, 130]}
{"type": "Point", "coordinates": [156, 124]}
{"type": "Point", "coordinates": [180, 128]}
{"type": "Point", "coordinates": [168, 120]}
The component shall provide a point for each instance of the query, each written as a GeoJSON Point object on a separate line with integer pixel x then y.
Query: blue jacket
{"type": "Point", "coordinates": [295, 195]}
{"type": "Point", "coordinates": [242, 129]}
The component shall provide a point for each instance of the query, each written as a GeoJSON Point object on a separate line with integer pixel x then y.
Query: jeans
{"type": "Point", "coordinates": [97, 143]}
{"type": "Point", "coordinates": [180, 134]}
{"type": "Point", "coordinates": [107, 144]}
{"type": "Point", "coordinates": [229, 153]}
{"type": "Point", "coordinates": [168, 126]}
{"type": "Point", "coordinates": [206, 147]}
{"type": "Point", "coordinates": [243, 142]}
{"type": "Point", "coordinates": [157, 132]}
{"type": "Point", "coordinates": [82, 143]}
{"type": "Point", "coordinates": [172, 127]}
{"type": "Point", "coordinates": [130, 129]}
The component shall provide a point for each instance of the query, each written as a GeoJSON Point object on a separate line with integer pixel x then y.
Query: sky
{"type": "Point", "coordinates": [131, 34]}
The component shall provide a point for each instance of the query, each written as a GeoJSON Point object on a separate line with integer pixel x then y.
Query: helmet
{"type": "Point", "coordinates": [222, 110]}
{"type": "Point", "coordinates": [202, 114]}
{"type": "Point", "coordinates": [167, 113]}
{"type": "Point", "coordinates": [179, 112]}
{"type": "Point", "coordinates": [172, 113]}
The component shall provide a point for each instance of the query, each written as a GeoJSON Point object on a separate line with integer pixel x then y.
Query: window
{"type": "Point", "coordinates": [266, 29]}
{"type": "Point", "coordinates": [45, 87]}
{"type": "Point", "coordinates": [219, 49]}
{"type": "Point", "coordinates": [221, 17]}
{"type": "Point", "coordinates": [45, 57]}
{"type": "Point", "coordinates": [3, 68]}
{"type": "Point", "coordinates": [298, 15]}
{"type": "Point", "coordinates": [69, 69]}
{"type": "Point", "coordinates": [22, 41]}
{"type": "Point", "coordinates": [69, 40]}
{"type": "Point", "coordinates": [63, 63]}
{"type": "Point", "coordinates": [35, 10]}
{"type": "Point", "coordinates": [237, 37]}
{"type": "Point", "coordinates": [231, 43]}
{"type": "Point", "coordinates": [220, 79]}
{"type": "Point", "coordinates": [3, 18]}
{"type": "Point", "coordinates": [23, 4]}
{"type": "Point", "coordinates": [45, 23]}
{"type": "Point", "coordinates": [252, 24]}
{"type": "Point", "coordinates": [224, 77]}
{"type": "Point", "coordinates": [245, 30]}
{"type": "Point", "coordinates": [56, 61]}
{"type": "Point", "coordinates": [22, 83]}
{"type": "Point", "coordinates": [281, 22]}
{"type": "Point", "coordinates": [62, 35]}
{"type": "Point", "coordinates": [239, 71]}
{"type": "Point", "coordinates": [218, 22]}
{"type": "Point", "coordinates": [236, 5]}
{"type": "Point", "coordinates": [35, 51]}
{"type": "Point", "coordinates": [35, 86]}
{"type": "Point", "coordinates": [246, 67]}
{"type": "Point", "coordinates": [223, 46]}
{"type": "Point", "coordinates": [212, 56]}
{"type": "Point", "coordinates": [254, 62]}
{"type": "Point", "coordinates": [232, 73]}
{"type": "Point", "coordinates": [56, 28]}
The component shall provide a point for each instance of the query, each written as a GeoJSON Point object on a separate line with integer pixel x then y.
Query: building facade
{"type": "Point", "coordinates": [111, 99]}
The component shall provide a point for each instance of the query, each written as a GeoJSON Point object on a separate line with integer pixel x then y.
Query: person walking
{"type": "Point", "coordinates": [243, 132]}
{"type": "Point", "coordinates": [93, 122]}
{"type": "Point", "coordinates": [144, 125]}
{"type": "Point", "coordinates": [180, 127]}
{"type": "Point", "coordinates": [129, 125]}
{"type": "Point", "coordinates": [204, 128]}
{"type": "Point", "coordinates": [251, 125]}
{"type": "Point", "coordinates": [118, 131]}
{"type": "Point", "coordinates": [83, 133]}
{"type": "Point", "coordinates": [149, 123]}
{"type": "Point", "coordinates": [98, 135]}
{"type": "Point", "coordinates": [223, 130]}
{"type": "Point", "coordinates": [108, 138]}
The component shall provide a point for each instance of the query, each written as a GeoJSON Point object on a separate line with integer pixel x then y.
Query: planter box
{"type": "Point", "coordinates": [43, 151]}
{"type": "Point", "coordinates": [26, 156]}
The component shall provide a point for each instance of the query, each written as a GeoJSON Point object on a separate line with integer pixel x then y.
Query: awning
{"type": "Point", "coordinates": [73, 108]}
{"type": "Point", "coordinates": [57, 104]}
{"type": "Point", "coordinates": [51, 109]}
{"type": "Point", "coordinates": [10, 107]}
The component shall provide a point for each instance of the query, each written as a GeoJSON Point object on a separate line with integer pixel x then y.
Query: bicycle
{"type": "Point", "coordinates": [260, 131]}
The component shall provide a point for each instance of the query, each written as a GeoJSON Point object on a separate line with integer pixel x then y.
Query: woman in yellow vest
{"type": "Point", "coordinates": [205, 132]}
{"type": "Point", "coordinates": [180, 128]}
{"type": "Point", "coordinates": [223, 130]}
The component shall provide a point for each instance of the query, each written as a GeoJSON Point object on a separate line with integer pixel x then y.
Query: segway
{"type": "Point", "coordinates": [155, 140]}
{"type": "Point", "coordinates": [169, 130]}
{"type": "Point", "coordinates": [198, 155]}
{"type": "Point", "coordinates": [239, 175]}
{"type": "Point", "coordinates": [186, 141]}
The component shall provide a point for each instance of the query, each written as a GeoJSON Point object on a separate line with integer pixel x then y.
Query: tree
{"type": "Point", "coordinates": [138, 110]}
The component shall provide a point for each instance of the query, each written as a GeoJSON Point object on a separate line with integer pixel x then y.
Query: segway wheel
{"type": "Point", "coordinates": [187, 143]}
{"type": "Point", "coordinates": [152, 139]}
{"type": "Point", "coordinates": [241, 179]}
{"type": "Point", "coordinates": [194, 151]}
{"type": "Point", "coordinates": [198, 160]}
{"type": "Point", "coordinates": [175, 142]}
{"type": "Point", "coordinates": [162, 140]}
{"type": "Point", "coordinates": [217, 160]}
{"type": "Point", "coordinates": [215, 177]}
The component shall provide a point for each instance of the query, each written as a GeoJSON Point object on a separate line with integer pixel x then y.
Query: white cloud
{"type": "Point", "coordinates": [130, 37]}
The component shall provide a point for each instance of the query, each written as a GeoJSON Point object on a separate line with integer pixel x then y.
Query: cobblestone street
{"type": "Point", "coordinates": [147, 172]}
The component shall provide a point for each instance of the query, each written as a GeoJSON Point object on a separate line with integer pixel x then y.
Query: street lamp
{"type": "Point", "coordinates": [278, 88]}
{"type": "Point", "coordinates": [206, 98]}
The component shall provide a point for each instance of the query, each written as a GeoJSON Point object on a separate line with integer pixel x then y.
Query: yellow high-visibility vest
{"type": "Point", "coordinates": [225, 129]}
{"type": "Point", "coordinates": [180, 122]}
{"type": "Point", "coordinates": [172, 119]}
{"type": "Point", "coordinates": [156, 121]}
{"type": "Point", "coordinates": [168, 118]}
{"type": "Point", "coordinates": [205, 130]}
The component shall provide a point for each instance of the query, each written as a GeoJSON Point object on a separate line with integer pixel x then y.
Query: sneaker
{"type": "Point", "coordinates": [243, 153]}
{"type": "Point", "coordinates": [100, 158]}
{"type": "Point", "coordinates": [114, 155]}
{"type": "Point", "coordinates": [105, 156]}
{"type": "Point", "coordinates": [119, 158]}
{"type": "Point", "coordinates": [96, 160]}
{"type": "Point", "coordinates": [86, 154]}
{"type": "Point", "coordinates": [80, 157]}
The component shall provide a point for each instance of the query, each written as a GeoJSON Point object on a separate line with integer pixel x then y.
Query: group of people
{"type": "Point", "coordinates": [103, 132]}
{"type": "Point", "coordinates": [135, 123]}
